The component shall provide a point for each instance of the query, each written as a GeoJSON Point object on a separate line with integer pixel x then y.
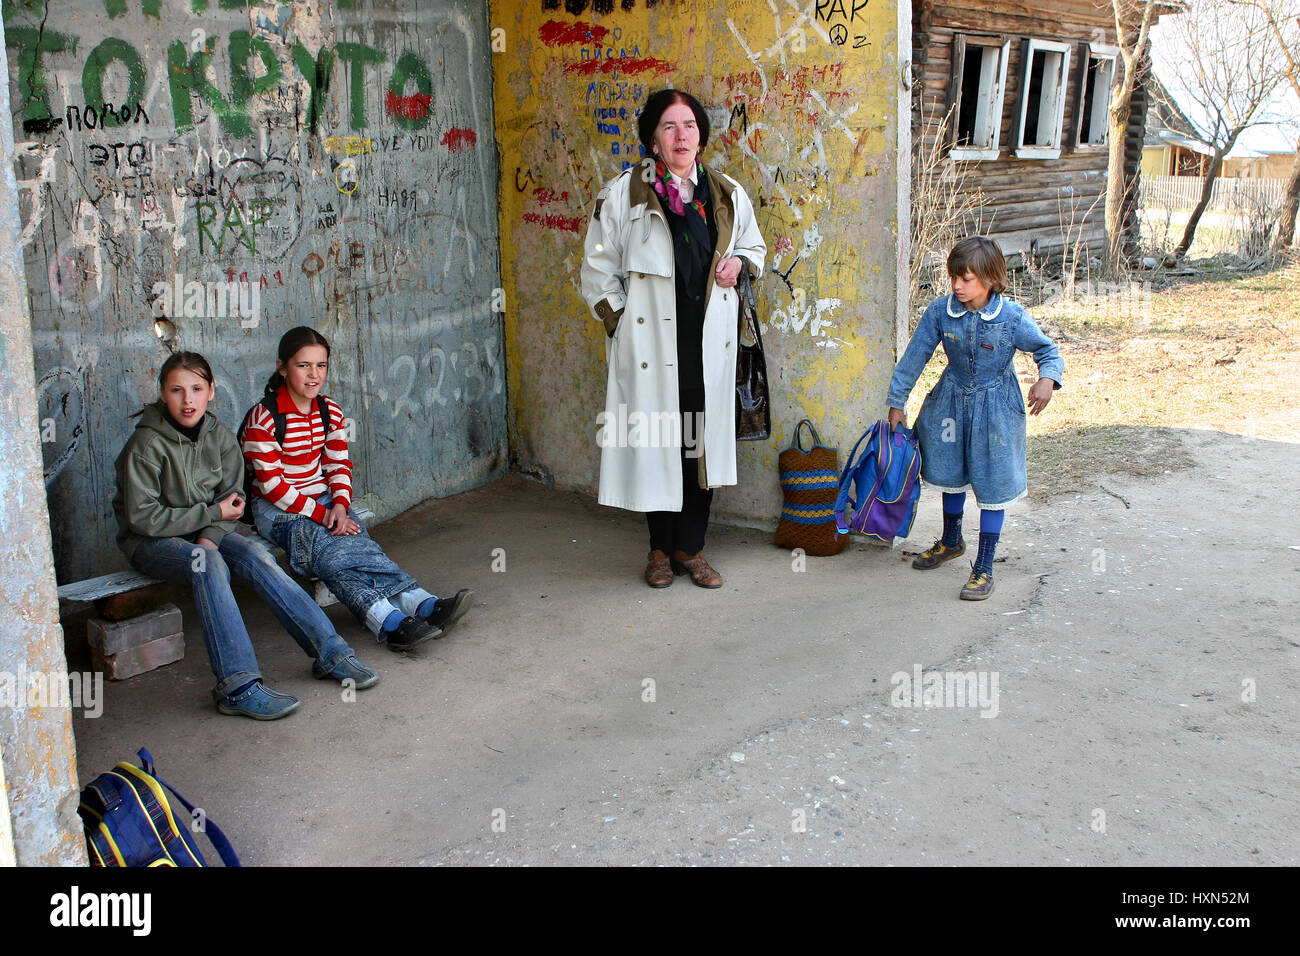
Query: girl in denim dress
{"type": "Point", "coordinates": [972, 425]}
{"type": "Point", "coordinates": [302, 495]}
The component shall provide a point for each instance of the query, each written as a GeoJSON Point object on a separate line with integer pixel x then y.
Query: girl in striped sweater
{"type": "Point", "coordinates": [179, 499]}
{"type": "Point", "coordinates": [295, 447]}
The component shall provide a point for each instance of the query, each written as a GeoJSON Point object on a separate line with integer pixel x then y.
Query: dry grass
{"type": "Point", "coordinates": [1214, 349]}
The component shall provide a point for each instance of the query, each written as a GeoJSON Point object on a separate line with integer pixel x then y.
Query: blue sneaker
{"type": "Point", "coordinates": [259, 702]}
{"type": "Point", "coordinates": [349, 668]}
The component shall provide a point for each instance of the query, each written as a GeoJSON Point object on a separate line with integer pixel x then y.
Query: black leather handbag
{"type": "Point", "coordinates": [753, 403]}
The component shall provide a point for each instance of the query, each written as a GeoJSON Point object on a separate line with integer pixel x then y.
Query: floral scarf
{"type": "Point", "coordinates": [667, 189]}
{"type": "Point", "coordinates": [694, 236]}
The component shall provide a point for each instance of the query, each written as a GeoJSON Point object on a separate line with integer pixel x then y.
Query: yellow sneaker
{"type": "Point", "coordinates": [978, 587]}
{"type": "Point", "coordinates": [937, 554]}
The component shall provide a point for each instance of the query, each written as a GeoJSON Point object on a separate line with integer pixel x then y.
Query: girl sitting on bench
{"type": "Point", "coordinates": [295, 446]}
{"type": "Point", "coordinates": [180, 482]}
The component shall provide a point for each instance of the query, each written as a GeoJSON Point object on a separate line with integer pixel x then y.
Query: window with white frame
{"type": "Point", "coordinates": [979, 77]}
{"type": "Point", "coordinates": [1094, 97]}
{"type": "Point", "coordinates": [1045, 69]}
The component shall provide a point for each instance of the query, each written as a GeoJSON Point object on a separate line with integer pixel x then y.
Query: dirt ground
{"type": "Point", "coordinates": [1142, 635]}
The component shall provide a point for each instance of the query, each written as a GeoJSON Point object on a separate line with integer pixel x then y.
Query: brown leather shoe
{"type": "Point", "coordinates": [658, 572]}
{"type": "Point", "coordinates": [701, 574]}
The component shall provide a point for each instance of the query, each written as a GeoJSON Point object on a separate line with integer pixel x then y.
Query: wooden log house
{"type": "Point", "coordinates": [1019, 91]}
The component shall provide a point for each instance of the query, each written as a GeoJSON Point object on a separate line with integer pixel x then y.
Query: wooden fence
{"type": "Point", "coordinates": [1228, 195]}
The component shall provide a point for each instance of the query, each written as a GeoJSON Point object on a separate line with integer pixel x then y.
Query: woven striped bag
{"type": "Point", "coordinates": [810, 481]}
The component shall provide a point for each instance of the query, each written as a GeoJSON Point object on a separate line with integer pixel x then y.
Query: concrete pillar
{"type": "Point", "coordinates": [38, 766]}
{"type": "Point", "coordinates": [6, 831]}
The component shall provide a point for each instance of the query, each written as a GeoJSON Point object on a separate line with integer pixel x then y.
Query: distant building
{"type": "Point", "coordinates": [1020, 91]}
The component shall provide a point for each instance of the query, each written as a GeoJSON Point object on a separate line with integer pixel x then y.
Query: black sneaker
{"type": "Point", "coordinates": [447, 611]}
{"type": "Point", "coordinates": [410, 633]}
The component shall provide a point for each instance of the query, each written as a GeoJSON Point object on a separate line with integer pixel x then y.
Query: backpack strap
{"type": "Point", "coordinates": [281, 421]}
{"type": "Point", "coordinates": [846, 485]}
{"type": "Point", "coordinates": [218, 839]}
{"type": "Point", "coordinates": [881, 435]}
{"type": "Point", "coordinates": [884, 444]}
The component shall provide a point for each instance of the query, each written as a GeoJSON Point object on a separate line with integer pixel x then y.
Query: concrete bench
{"type": "Point", "coordinates": [121, 582]}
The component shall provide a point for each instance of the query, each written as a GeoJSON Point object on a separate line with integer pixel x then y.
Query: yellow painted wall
{"type": "Point", "coordinates": [1155, 161]}
{"type": "Point", "coordinates": [804, 104]}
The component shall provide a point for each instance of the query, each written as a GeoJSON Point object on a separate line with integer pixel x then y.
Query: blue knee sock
{"type": "Point", "coordinates": [415, 601]}
{"type": "Point", "coordinates": [990, 530]}
{"type": "Point", "coordinates": [394, 619]}
{"type": "Point", "coordinates": [953, 505]}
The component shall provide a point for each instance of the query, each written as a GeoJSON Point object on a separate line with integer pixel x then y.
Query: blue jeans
{"type": "Point", "coordinates": [207, 573]}
{"type": "Point", "coordinates": [353, 566]}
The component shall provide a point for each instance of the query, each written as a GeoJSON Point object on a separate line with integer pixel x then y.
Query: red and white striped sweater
{"type": "Point", "coordinates": [292, 477]}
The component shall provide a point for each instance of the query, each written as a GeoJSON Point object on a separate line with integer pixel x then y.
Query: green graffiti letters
{"type": "Point", "coordinates": [242, 87]}
{"type": "Point", "coordinates": [30, 44]}
{"type": "Point", "coordinates": [357, 55]}
{"type": "Point", "coordinates": [235, 228]}
{"type": "Point", "coordinates": [257, 68]}
{"type": "Point", "coordinates": [111, 50]}
{"type": "Point", "coordinates": [316, 71]}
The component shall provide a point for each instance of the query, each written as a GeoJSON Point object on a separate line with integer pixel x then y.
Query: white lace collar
{"type": "Point", "coordinates": [990, 310]}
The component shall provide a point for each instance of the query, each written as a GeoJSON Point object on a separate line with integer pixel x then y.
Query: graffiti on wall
{"type": "Point", "coordinates": [801, 101]}
{"type": "Point", "coordinates": [787, 124]}
{"type": "Point", "coordinates": [319, 151]}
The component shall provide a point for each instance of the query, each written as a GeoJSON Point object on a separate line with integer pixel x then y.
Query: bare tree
{"type": "Point", "coordinates": [1221, 63]}
{"type": "Point", "coordinates": [1133, 21]}
{"type": "Point", "coordinates": [1285, 25]}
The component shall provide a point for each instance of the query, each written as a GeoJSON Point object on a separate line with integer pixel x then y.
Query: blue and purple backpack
{"type": "Point", "coordinates": [880, 491]}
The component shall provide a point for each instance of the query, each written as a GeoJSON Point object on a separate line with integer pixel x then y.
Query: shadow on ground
{"type": "Point", "coordinates": [1143, 637]}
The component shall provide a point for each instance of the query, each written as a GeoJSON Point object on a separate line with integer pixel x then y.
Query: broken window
{"type": "Point", "coordinates": [974, 118]}
{"type": "Point", "coordinates": [1044, 70]}
{"type": "Point", "coordinates": [1094, 97]}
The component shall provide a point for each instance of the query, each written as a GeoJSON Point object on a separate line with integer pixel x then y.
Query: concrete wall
{"type": "Point", "coordinates": [805, 108]}
{"type": "Point", "coordinates": [38, 768]}
{"type": "Point", "coordinates": [336, 157]}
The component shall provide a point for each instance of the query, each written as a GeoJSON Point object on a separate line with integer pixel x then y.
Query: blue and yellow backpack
{"type": "Point", "coordinates": [130, 822]}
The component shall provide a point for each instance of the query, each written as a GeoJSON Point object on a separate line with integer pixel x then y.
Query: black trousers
{"type": "Point", "coordinates": [684, 530]}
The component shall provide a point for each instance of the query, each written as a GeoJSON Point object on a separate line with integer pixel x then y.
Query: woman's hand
{"type": "Point", "coordinates": [207, 543]}
{"type": "Point", "coordinates": [231, 509]}
{"type": "Point", "coordinates": [897, 417]}
{"type": "Point", "coordinates": [338, 522]}
{"type": "Point", "coordinates": [728, 271]}
{"type": "Point", "coordinates": [1040, 394]}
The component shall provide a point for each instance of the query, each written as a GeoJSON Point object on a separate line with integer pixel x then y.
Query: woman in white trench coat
{"type": "Point", "coordinates": [664, 249]}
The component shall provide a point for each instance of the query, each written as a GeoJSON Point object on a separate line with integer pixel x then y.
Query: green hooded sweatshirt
{"type": "Point", "coordinates": [169, 486]}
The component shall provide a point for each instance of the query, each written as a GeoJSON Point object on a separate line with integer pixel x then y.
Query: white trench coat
{"type": "Point", "coordinates": [628, 282]}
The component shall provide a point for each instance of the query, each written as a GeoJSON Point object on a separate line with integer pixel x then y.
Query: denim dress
{"type": "Point", "coordinates": [972, 425]}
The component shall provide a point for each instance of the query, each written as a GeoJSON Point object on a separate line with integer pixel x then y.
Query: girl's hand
{"type": "Point", "coordinates": [728, 272]}
{"type": "Point", "coordinates": [338, 522]}
{"type": "Point", "coordinates": [231, 509]}
{"type": "Point", "coordinates": [207, 543]}
{"type": "Point", "coordinates": [897, 417]}
{"type": "Point", "coordinates": [1040, 394]}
